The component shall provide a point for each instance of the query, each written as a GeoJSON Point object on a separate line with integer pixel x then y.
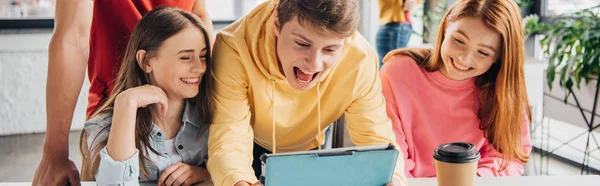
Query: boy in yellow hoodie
{"type": "Point", "coordinates": [282, 74]}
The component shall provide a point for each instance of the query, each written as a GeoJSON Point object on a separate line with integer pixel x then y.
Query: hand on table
{"type": "Point", "coordinates": [395, 182]}
{"type": "Point", "coordinates": [183, 174]}
{"type": "Point", "coordinates": [56, 171]}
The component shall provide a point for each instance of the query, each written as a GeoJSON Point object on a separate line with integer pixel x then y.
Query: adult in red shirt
{"type": "Point", "coordinates": [90, 34]}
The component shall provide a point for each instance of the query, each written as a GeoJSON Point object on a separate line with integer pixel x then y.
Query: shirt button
{"type": "Point", "coordinates": [180, 147]}
{"type": "Point", "coordinates": [159, 134]}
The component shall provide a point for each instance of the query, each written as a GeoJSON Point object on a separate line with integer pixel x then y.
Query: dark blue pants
{"type": "Point", "coordinates": [392, 36]}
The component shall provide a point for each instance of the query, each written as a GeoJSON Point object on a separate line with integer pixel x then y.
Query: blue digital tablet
{"type": "Point", "coordinates": [361, 166]}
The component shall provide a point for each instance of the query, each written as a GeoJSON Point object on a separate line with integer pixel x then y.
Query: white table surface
{"type": "Point", "coordinates": [590, 180]}
{"type": "Point", "coordinates": [88, 184]}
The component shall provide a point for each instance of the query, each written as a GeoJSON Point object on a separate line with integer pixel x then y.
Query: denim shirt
{"type": "Point", "coordinates": [190, 144]}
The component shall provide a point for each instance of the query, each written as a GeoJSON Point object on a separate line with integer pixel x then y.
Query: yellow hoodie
{"type": "Point", "coordinates": [391, 11]}
{"type": "Point", "coordinates": [255, 103]}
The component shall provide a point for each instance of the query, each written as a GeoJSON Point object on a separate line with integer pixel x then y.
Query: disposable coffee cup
{"type": "Point", "coordinates": [456, 164]}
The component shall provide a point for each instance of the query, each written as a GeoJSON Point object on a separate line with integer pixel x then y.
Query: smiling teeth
{"type": "Point", "coordinates": [190, 80]}
{"type": "Point", "coordinates": [301, 81]}
{"type": "Point", "coordinates": [308, 73]}
{"type": "Point", "coordinates": [460, 66]}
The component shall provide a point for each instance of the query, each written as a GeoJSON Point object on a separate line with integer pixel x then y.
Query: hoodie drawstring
{"type": "Point", "coordinates": [273, 115]}
{"type": "Point", "coordinates": [319, 115]}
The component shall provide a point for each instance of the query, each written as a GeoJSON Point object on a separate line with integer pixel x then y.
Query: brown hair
{"type": "Point", "coordinates": [338, 17]}
{"type": "Point", "coordinates": [150, 32]}
{"type": "Point", "coordinates": [503, 97]}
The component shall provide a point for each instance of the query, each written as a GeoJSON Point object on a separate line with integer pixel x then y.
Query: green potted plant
{"type": "Point", "coordinates": [431, 20]}
{"type": "Point", "coordinates": [531, 25]}
{"type": "Point", "coordinates": [525, 5]}
{"type": "Point", "coordinates": [572, 44]}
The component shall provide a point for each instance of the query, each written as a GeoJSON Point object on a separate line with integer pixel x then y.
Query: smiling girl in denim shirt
{"type": "Point", "coordinates": [154, 125]}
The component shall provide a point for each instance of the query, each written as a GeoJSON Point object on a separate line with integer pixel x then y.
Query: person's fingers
{"type": "Point", "coordinates": [56, 172]}
{"type": "Point", "coordinates": [162, 100]}
{"type": "Point", "coordinates": [179, 175]}
{"type": "Point", "coordinates": [165, 107]}
{"type": "Point", "coordinates": [258, 183]}
{"type": "Point", "coordinates": [165, 174]}
{"type": "Point", "coordinates": [162, 106]}
{"type": "Point", "coordinates": [74, 179]}
{"type": "Point", "coordinates": [60, 178]}
{"type": "Point", "coordinates": [160, 91]}
{"type": "Point", "coordinates": [188, 181]}
{"type": "Point", "coordinates": [205, 175]}
{"type": "Point", "coordinates": [40, 178]}
{"type": "Point", "coordinates": [181, 179]}
{"type": "Point", "coordinates": [66, 174]}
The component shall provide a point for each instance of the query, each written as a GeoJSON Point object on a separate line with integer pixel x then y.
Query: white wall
{"type": "Point", "coordinates": [369, 22]}
{"type": "Point", "coordinates": [23, 71]}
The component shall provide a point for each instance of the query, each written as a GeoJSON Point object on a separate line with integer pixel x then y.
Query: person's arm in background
{"type": "Point", "coordinates": [368, 123]}
{"type": "Point", "coordinates": [392, 113]}
{"type": "Point", "coordinates": [231, 137]}
{"type": "Point", "coordinates": [491, 159]}
{"type": "Point", "coordinates": [200, 10]}
{"type": "Point", "coordinates": [67, 60]}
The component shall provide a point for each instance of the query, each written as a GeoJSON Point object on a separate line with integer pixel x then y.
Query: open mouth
{"type": "Point", "coordinates": [190, 81]}
{"type": "Point", "coordinates": [305, 77]}
{"type": "Point", "coordinates": [459, 66]}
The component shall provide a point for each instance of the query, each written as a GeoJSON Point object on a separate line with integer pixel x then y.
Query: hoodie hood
{"type": "Point", "coordinates": [262, 43]}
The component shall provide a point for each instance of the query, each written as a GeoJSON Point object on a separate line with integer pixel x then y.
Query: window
{"type": "Point", "coordinates": [558, 7]}
{"type": "Point", "coordinates": [230, 10]}
{"type": "Point", "coordinates": [26, 9]}
{"type": "Point", "coordinates": [221, 10]}
{"type": "Point", "coordinates": [40, 13]}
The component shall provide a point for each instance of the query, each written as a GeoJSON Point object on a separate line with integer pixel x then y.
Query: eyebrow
{"type": "Point", "coordinates": [462, 33]}
{"type": "Point", "coordinates": [482, 45]}
{"type": "Point", "coordinates": [308, 40]}
{"type": "Point", "coordinates": [301, 36]}
{"type": "Point", "coordinates": [185, 51]}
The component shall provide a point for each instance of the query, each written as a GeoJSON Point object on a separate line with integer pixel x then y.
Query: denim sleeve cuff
{"type": "Point", "coordinates": [111, 172]}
